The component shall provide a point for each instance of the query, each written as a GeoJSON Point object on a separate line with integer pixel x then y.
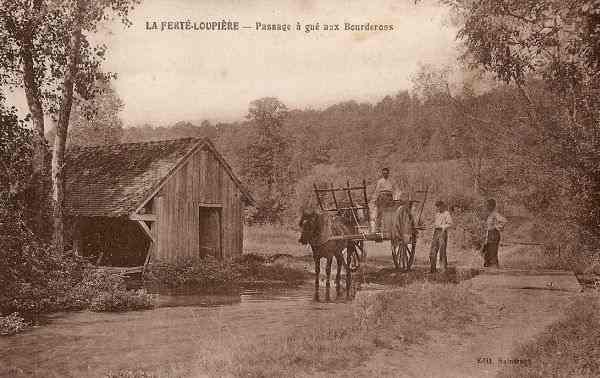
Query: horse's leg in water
{"type": "Point", "coordinates": [317, 274]}
{"type": "Point", "coordinates": [349, 252]}
{"type": "Point", "coordinates": [340, 261]}
{"type": "Point", "coordinates": [328, 273]}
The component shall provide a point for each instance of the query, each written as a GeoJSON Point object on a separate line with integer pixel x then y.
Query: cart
{"type": "Point", "coordinates": [351, 202]}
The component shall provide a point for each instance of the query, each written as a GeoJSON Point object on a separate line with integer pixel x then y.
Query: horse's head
{"type": "Point", "coordinates": [309, 225]}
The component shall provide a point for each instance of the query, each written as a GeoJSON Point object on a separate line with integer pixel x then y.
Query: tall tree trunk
{"type": "Point", "coordinates": [33, 95]}
{"type": "Point", "coordinates": [58, 157]}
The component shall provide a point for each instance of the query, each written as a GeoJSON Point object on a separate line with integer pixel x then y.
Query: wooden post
{"type": "Point", "coordinates": [349, 193]}
{"type": "Point", "coordinates": [364, 188]}
{"type": "Point", "coordinates": [333, 194]}
{"type": "Point", "coordinates": [318, 197]}
{"type": "Point", "coordinates": [76, 237]}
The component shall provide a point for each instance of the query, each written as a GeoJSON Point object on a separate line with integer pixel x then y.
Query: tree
{"type": "Point", "coordinates": [95, 121]}
{"type": "Point", "coordinates": [267, 158]}
{"type": "Point", "coordinates": [46, 50]}
{"type": "Point", "coordinates": [556, 43]}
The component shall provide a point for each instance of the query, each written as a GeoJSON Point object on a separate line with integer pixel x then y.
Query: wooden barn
{"type": "Point", "coordinates": [166, 200]}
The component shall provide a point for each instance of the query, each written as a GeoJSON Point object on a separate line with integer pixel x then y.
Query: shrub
{"type": "Point", "coordinates": [11, 324]}
{"type": "Point", "coordinates": [249, 259]}
{"type": "Point", "coordinates": [96, 282]}
{"type": "Point", "coordinates": [101, 290]}
{"type": "Point", "coordinates": [196, 274]}
{"type": "Point", "coordinates": [461, 202]}
{"type": "Point", "coordinates": [39, 280]}
{"type": "Point", "coordinates": [122, 300]}
{"type": "Point", "coordinates": [253, 267]}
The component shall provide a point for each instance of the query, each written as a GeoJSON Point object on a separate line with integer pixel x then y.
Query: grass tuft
{"type": "Point", "coordinates": [568, 348]}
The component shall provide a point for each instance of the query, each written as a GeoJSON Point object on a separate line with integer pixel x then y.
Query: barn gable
{"type": "Point", "coordinates": [116, 180]}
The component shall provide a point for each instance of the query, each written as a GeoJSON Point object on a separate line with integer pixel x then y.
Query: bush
{"type": "Point", "coordinates": [460, 202]}
{"type": "Point", "coordinates": [211, 275]}
{"type": "Point", "coordinates": [122, 300]}
{"type": "Point", "coordinates": [39, 280]}
{"type": "Point", "coordinates": [104, 291]}
{"type": "Point", "coordinates": [196, 274]}
{"type": "Point", "coordinates": [250, 259]}
{"type": "Point", "coordinates": [253, 267]}
{"type": "Point", "coordinates": [270, 272]}
{"type": "Point", "coordinates": [96, 282]}
{"type": "Point", "coordinates": [11, 324]}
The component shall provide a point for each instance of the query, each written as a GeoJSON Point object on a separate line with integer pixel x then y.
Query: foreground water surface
{"type": "Point", "coordinates": [89, 344]}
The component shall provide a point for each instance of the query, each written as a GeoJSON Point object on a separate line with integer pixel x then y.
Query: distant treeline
{"type": "Point", "coordinates": [359, 138]}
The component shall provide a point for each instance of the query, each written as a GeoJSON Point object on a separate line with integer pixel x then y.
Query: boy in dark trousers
{"type": "Point", "coordinates": [493, 225]}
{"type": "Point", "coordinates": [443, 221]}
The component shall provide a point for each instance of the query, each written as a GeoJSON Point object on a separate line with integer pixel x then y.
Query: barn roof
{"type": "Point", "coordinates": [114, 180]}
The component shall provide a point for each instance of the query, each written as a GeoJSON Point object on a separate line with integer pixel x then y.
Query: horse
{"type": "Point", "coordinates": [317, 230]}
{"type": "Point", "coordinates": [403, 232]}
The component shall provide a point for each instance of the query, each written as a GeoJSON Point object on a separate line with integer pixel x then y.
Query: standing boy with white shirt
{"type": "Point", "coordinates": [443, 221]}
{"type": "Point", "coordinates": [493, 225]}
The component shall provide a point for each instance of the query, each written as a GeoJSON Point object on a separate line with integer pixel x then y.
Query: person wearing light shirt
{"type": "Point", "coordinates": [385, 192]}
{"type": "Point", "coordinates": [443, 221]}
{"type": "Point", "coordinates": [493, 225]}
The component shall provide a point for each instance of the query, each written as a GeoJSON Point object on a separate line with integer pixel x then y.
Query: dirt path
{"type": "Point", "coordinates": [517, 306]}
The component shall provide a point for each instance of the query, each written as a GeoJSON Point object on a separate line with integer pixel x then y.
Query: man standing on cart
{"type": "Point", "coordinates": [385, 192]}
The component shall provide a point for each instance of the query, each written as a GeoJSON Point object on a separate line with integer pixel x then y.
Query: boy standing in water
{"type": "Point", "coordinates": [493, 225]}
{"type": "Point", "coordinates": [443, 221]}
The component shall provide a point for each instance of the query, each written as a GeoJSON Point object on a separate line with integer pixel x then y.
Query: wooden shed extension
{"type": "Point", "coordinates": [164, 200]}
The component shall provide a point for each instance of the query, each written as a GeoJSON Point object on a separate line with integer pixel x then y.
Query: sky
{"type": "Point", "coordinates": [173, 75]}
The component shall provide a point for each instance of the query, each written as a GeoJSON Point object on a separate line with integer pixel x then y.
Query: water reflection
{"type": "Point", "coordinates": [251, 295]}
{"type": "Point", "coordinates": [198, 300]}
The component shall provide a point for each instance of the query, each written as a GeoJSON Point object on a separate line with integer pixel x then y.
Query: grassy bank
{"type": "Point", "coordinates": [272, 240]}
{"type": "Point", "coordinates": [96, 290]}
{"type": "Point", "coordinates": [391, 276]}
{"type": "Point", "coordinates": [209, 275]}
{"type": "Point", "coordinates": [568, 348]}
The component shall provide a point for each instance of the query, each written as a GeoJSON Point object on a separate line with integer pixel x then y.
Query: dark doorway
{"type": "Point", "coordinates": [112, 241]}
{"type": "Point", "coordinates": [210, 232]}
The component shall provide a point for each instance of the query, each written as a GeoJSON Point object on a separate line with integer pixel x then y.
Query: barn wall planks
{"type": "Point", "coordinates": [200, 181]}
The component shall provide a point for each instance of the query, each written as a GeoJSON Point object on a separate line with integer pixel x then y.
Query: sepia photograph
{"type": "Point", "coordinates": [299, 188]}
